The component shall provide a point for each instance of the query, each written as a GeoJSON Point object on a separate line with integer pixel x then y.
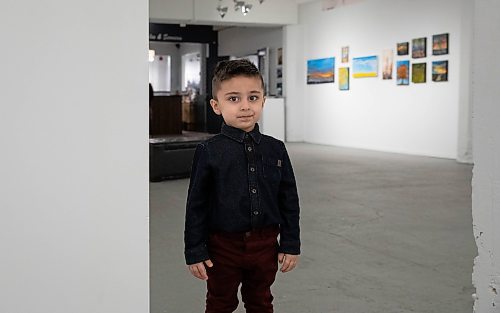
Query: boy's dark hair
{"type": "Point", "coordinates": [228, 69]}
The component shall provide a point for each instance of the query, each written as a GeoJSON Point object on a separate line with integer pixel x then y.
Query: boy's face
{"type": "Point", "coordinates": [240, 101]}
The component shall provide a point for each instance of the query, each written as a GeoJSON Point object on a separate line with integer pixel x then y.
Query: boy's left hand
{"type": "Point", "coordinates": [288, 261]}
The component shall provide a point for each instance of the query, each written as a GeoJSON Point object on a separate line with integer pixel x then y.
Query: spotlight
{"type": "Point", "coordinates": [246, 8]}
{"type": "Point", "coordinates": [238, 5]}
{"type": "Point", "coordinates": [222, 11]}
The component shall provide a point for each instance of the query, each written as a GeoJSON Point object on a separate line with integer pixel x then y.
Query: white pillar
{"type": "Point", "coordinates": [486, 178]}
{"type": "Point", "coordinates": [74, 156]}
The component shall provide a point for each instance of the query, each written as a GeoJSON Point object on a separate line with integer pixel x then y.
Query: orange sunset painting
{"type": "Point", "coordinates": [321, 71]}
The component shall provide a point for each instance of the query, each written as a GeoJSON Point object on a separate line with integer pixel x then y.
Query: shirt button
{"type": "Point", "coordinates": [254, 190]}
{"type": "Point", "coordinates": [255, 212]}
{"type": "Point", "coordinates": [249, 149]}
{"type": "Point", "coordinates": [252, 169]}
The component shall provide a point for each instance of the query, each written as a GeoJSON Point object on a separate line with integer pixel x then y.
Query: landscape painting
{"type": "Point", "coordinates": [345, 54]}
{"type": "Point", "coordinates": [440, 71]}
{"type": "Point", "coordinates": [344, 78]}
{"type": "Point", "coordinates": [365, 67]}
{"type": "Point", "coordinates": [418, 73]}
{"type": "Point", "coordinates": [440, 44]}
{"type": "Point", "coordinates": [419, 48]}
{"type": "Point", "coordinates": [320, 71]}
{"type": "Point", "coordinates": [403, 72]}
{"type": "Point", "coordinates": [402, 48]}
{"type": "Point", "coordinates": [387, 64]}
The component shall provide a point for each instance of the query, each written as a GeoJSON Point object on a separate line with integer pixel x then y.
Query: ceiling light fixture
{"type": "Point", "coordinates": [222, 11]}
{"type": "Point", "coordinates": [246, 8]}
{"type": "Point", "coordinates": [239, 6]}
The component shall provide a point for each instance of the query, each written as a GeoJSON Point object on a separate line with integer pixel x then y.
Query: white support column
{"type": "Point", "coordinates": [486, 178]}
{"type": "Point", "coordinates": [74, 156]}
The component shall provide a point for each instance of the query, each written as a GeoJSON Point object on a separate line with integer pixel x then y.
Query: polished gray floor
{"type": "Point", "coordinates": [381, 233]}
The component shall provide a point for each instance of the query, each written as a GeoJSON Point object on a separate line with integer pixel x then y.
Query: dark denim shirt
{"type": "Point", "coordinates": [240, 181]}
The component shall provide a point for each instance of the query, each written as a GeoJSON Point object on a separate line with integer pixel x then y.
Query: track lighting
{"type": "Point", "coordinates": [246, 8]}
{"type": "Point", "coordinates": [239, 6]}
{"type": "Point", "coordinates": [222, 11]}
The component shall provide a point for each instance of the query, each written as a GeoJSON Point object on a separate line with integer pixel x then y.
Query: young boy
{"type": "Point", "coordinates": [242, 194]}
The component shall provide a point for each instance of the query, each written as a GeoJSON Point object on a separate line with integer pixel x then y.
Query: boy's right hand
{"type": "Point", "coordinates": [198, 269]}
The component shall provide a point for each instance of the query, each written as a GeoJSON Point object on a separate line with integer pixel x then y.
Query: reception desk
{"type": "Point", "coordinates": [166, 115]}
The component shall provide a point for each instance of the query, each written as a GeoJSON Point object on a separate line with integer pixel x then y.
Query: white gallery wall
{"type": "Point", "coordinates": [74, 161]}
{"type": "Point", "coordinates": [486, 178]}
{"type": "Point", "coordinates": [377, 114]}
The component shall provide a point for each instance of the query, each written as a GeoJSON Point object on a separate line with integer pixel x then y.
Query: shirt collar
{"type": "Point", "coordinates": [239, 135]}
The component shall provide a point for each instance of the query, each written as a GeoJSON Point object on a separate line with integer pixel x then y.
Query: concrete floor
{"type": "Point", "coordinates": [381, 232]}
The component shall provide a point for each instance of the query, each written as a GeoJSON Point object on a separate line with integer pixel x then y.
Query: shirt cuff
{"type": "Point", "coordinates": [289, 247]}
{"type": "Point", "coordinates": [196, 255]}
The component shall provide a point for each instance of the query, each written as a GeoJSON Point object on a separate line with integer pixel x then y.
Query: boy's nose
{"type": "Point", "coordinates": [245, 105]}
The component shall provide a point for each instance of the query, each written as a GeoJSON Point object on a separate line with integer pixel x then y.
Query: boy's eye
{"type": "Point", "coordinates": [254, 98]}
{"type": "Point", "coordinates": [233, 98]}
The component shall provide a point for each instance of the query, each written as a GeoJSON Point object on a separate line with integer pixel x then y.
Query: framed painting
{"type": "Point", "coordinates": [419, 48]}
{"type": "Point", "coordinates": [440, 71]}
{"type": "Point", "coordinates": [402, 48]}
{"type": "Point", "coordinates": [418, 73]}
{"type": "Point", "coordinates": [403, 72]}
{"type": "Point", "coordinates": [440, 44]}
{"type": "Point", "coordinates": [320, 71]}
{"type": "Point", "coordinates": [365, 67]}
{"type": "Point", "coordinates": [387, 64]}
{"type": "Point", "coordinates": [344, 78]}
{"type": "Point", "coordinates": [345, 54]}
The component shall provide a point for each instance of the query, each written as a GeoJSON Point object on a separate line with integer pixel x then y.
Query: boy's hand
{"type": "Point", "coordinates": [288, 261]}
{"type": "Point", "coordinates": [198, 269]}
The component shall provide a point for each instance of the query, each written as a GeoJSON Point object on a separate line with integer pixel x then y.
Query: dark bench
{"type": "Point", "coordinates": [172, 157]}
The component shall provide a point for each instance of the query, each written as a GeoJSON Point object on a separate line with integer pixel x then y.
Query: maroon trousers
{"type": "Point", "coordinates": [249, 259]}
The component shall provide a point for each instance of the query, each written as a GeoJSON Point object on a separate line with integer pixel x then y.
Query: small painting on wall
{"type": "Point", "coordinates": [402, 48]}
{"type": "Point", "coordinates": [320, 71]}
{"type": "Point", "coordinates": [440, 44]}
{"type": "Point", "coordinates": [279, 89]}
{"type": "Point", "coordinates": [365, 67]}
{"type": "Point", "coordinates": [387, 63]}
{"type": "Point", "coordinates": [419, 48]}
{"type": "Point", "coordinates": [418, 73]}
{"type": "Point", "coordinates": [403, 72]}
{"type": "Point", "coordinates": [280, 56]}
{"type": "Point", "coordinates": [344, 78]}
{"type": "Point", "coordinates": [345, 54]}
{"type": "Point", "coordinates": [440, 71]}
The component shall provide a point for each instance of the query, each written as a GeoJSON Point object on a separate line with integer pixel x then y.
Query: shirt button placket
{"type": "Point", "coordinates": [252, 179]}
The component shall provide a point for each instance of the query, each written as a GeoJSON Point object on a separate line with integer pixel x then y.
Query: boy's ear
{"type": "Point", "coordinates": [215, 106]}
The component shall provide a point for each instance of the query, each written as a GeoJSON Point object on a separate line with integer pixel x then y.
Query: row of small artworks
{"type": "Point", "coordinates": [418, 74]}
{"type": "Point", "coordinates": [323, 70]}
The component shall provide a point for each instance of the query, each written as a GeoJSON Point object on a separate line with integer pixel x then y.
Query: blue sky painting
{"type": "Point", "coordinates": [321, 71]}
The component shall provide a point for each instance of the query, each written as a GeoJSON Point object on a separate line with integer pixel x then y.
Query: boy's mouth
{"type": "Point", "coordinates": [245, 116]}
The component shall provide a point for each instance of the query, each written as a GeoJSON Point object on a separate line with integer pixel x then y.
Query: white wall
{"type": "Point", "coordinates": [486, 178]}
{"type": "Point", "coordinates": [170, 48]}
{"type": "Point", "coordinates": [376, 114]}
{"type": "Point", "coordinates": [74, 161]}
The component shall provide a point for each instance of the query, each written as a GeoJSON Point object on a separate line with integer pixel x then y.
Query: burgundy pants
{"type": "Point", "coordinates": [249, 259]}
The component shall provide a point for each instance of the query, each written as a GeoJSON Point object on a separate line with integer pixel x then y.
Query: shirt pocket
{"type": "Point", "coordinates": [271, 168]}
